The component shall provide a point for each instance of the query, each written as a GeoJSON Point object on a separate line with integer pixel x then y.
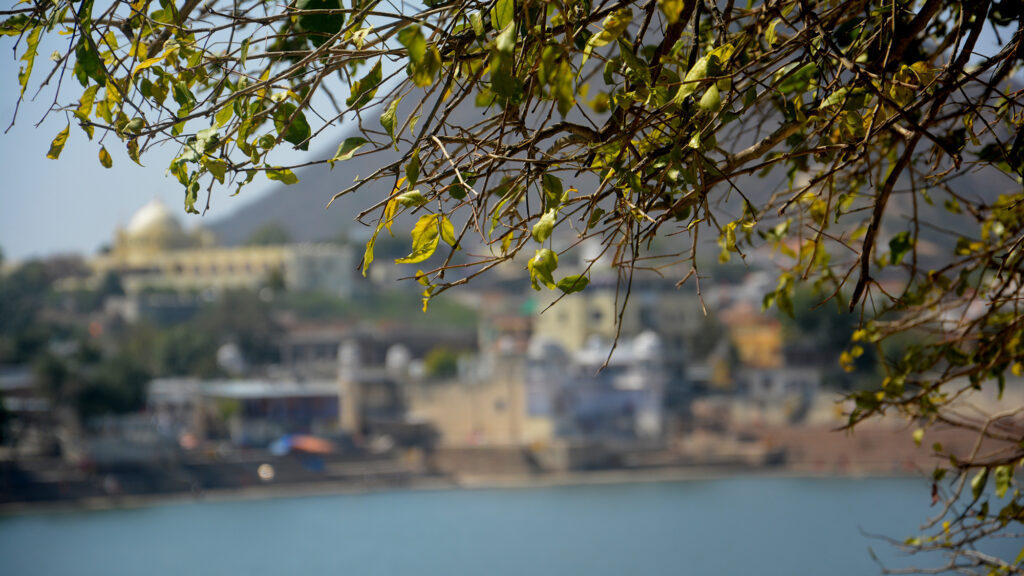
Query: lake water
{"type": "Point", "coordinates": [738, 526]}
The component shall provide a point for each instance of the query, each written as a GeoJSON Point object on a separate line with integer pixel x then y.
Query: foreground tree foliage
{"type": "Point", "coordinates": [526, 126]}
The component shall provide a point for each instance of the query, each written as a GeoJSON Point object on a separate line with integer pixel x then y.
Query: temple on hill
{"type": "Point", "coordinates": [155, 252]}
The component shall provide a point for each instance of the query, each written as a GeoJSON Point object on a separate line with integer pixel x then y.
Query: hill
{"type": "Point", "coordinates": [301, 208]}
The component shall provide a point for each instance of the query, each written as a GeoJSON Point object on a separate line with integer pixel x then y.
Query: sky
{"type": "Point", "coordinates": [74, 204]}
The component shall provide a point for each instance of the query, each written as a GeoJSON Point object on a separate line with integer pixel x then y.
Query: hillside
{"type": "Point", "coordinates": [301, 208]}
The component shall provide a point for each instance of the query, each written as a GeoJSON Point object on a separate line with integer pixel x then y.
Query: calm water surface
{"type": "Point", "coordinates": [740, 526]}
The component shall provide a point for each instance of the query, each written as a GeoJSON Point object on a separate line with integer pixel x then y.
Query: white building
{"type": "Point", "coordinates": [622, 400]}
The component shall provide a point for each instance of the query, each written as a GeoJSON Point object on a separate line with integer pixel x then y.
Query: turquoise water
{"type": "Point", "coordinates": [740, 526]}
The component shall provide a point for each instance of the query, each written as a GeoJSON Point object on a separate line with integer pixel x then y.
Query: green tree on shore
{"type": "Point", "coordinates": [623, 122]}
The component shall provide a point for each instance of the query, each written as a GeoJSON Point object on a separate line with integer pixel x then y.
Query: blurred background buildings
{"type": "Point", "coordinates": [169, 362]}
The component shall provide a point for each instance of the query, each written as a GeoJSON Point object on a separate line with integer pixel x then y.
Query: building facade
{"type": "Point", "coordinates": [154, 252]}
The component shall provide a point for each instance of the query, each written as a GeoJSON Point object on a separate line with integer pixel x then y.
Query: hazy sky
{"type": "Point", "coordinates": [74, 204]}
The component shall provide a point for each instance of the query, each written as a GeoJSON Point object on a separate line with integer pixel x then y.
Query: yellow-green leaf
{"type": "Point", "coordinates": [613, 27]}
{"type": "Point", "coordinates": [424, 72]}
{"type": "Point", "coordinates": [363, 90]}
{"type": "Point", "coordinates": [542, 267]}
{"type": "Point", "coordinates": [502, 14]}
{"type": "Point", "coordinates": [368, 254]}
{"type": "Point", "coordinates": [477, 22]}
{"type": "Point", "coordinates": [691, 81]}
{"type": "Point", "coordinates": [105, 158]}
{"type": "Point", "coordinates": [415, 44]}
{"type": "Point", "coordinates": [918, 436]}
{"type": "Point", "coordinates": [448, 232]}
{"type": "Point", "coordinates": [86, 101]}
{"type": "Point", "coordinates": [58, 143]}
{"type": "Point", "coordinates": [711, 101]}
{"type": "Point", "coordinates": [282, 175]}
{"type": "Point", "coordinates": [422, 279]}
{"type": "Point", "coordinates": [133, 151]}
{"type": "Point", "coordinates": [347, 148]}
{"type": "Point", "coordinates": [112, 96]}
{"type": "Point", "coordinates": [224, 115]}
{"type": "Point", "coordinates": [505, 42]}
{"type": "Point", "coordinates": [978, 483]}
{"type": "Point", "coordinates": [149, 62]}
{"type": "Point", "coordinates": [562, 88]}
{"type": "Point", "coordinates": [411, 199]}
{"type": "Point", "coordinates": [1004, 476]}
{"type": "Point", "coordinates": [217, 167]}
{"type": "Point", "coordinates": [425, 238]}
{"type": "Point", "coordinates": [29, 58]}
{"type": "Point", "coordinates": [412, 169]}
{"type": "Point", "coordinates": [671, 9]}
{"type": "Point", "coordinates": [391, 208]}
{"type": "Point", "coordinates": [542, 229]}
{"type": "Point", "coordinates": [573, 283]}
{"type": "Point", "coordinates": [387, 118]}
{"type": "Point", "coordinates": [135, 125]}
{"type": "Point", "coordinates": [770, 36]}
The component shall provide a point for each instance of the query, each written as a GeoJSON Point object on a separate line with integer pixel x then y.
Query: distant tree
{"type": "Point", "coordinates": [378, 306]}
{"type": "Point", "coordinates": [825, 328]}
{"type": "Point", "coordinates": [116, 386]}
{"type": "Point", "coordinates": [275, 281]}
{"type": "Point", "coordinates": [51, 375]}
{"type": "Point", "coordinates": [23, 295]}
{"type": "Point", "coordinates": [441, 363]}
{"type": "Point", "coordinates": [241, 316]}
{"type": "Point", "coordinates": [269, 234]}
{"type": "Point", "coordinates": [111, 285]}
{"type": "Point", "coordinates": [184, 350]}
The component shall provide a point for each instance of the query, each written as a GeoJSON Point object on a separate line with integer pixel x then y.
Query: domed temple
{"type": "Point", "coordinates": [155, 252]}
{"type": "Point", "coordinates": [153, 229]}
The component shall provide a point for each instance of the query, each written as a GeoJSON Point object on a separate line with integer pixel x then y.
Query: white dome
{"type": "Point", "coordinates": [348, 356]}
{"type": "Point", "coordinates": [647, 346]}
{"type": "Point", "coordinates": [154, 217]}
{"type": "Point", "coordinates": [396, 359]}
{"type": "Point", "coordinates": [542, 348]}
{"type": "Point", "coordinates": [231, 359]}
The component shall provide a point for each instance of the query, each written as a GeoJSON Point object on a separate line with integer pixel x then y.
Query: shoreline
{"type": "Point", "coordinates": [430, 484]}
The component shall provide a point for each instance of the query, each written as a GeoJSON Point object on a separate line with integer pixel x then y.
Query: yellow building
{"type": "Point", "coordinates": [492, 412]}
{"type": "Point", "coordinates": [756, 336]}
{"type": "Point", "coordinates": [155, 252]}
